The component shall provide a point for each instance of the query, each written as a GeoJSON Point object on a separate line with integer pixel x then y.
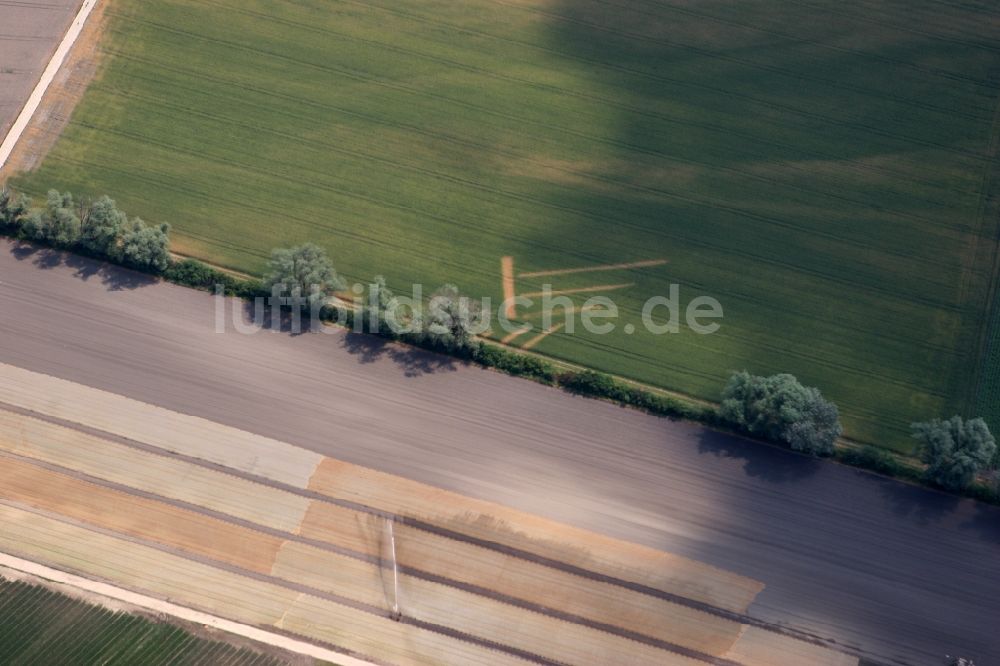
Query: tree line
{"type": "Point", "coordinates": [775, 408]}
{"type": "Point", "coordinates": [780, 409]}
{"type": "Point", "coordinates": [97, 228]}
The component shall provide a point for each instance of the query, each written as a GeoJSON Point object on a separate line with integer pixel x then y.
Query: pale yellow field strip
{"type": "Point", "coordinates": [331, 572]}
{"type": "Point", "coordinates": [361, 532]}
{"type": "Point", "coordinates": [135, 600]}
{"type": "Point", "coordinates": [188, 435]}
{"type": "Point", "coordinates": [536, 535]}
{"type": "Point", "coordinates": [557, 312]}
{"type": "Point", "coordinates": [232, 596]}
{"type": "Point", "coordinates": [513, 335]}
{"type": "Point", "coordinates": [648, 263]}
{"type": "Point", "coordinates": [593, 600]}
{"type": "Point", "coordinates": [759, 647]}
{"type": "Point", "coordinates": [168, 477]}
{"type": "Point", "coordinates": [580, 290]}
{"type": "Point", "coordinates": [469, 613]}
{"type": "Point", "coordinates": [190, 532]}
{"type": "Point", "coordinates": [539, 634]}
{"type": "Point", "coordinates": [398, 643]}
{"type": "Point", "coordinates": [292, 465]}
{"type": "Point", "coordinates": [307, 565]}
{"type": "Point", "coordinates": [139, 517]}
{"type": "Point", "coordinates": [138, 567]}
{"type": "Point", "coordinates": [541, 336]}
{"type": "Point", "coordinates": [507, 280]}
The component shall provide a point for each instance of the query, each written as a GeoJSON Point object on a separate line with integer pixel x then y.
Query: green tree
{"type": "Point", "coordinates": [452, 320]}
{"type": "Point", "coordinates": [102, 227]}
{"type": "Point", "coordinates": [954, 449]}
{"type": "Point", "coordinates": [13, 208]}
{"type": "Point", "coordinates": [780, 409]}
{"type": "Point", "coordinates": [388, 319]}
{"type": "Point", "coordinates": [144, 247]}
{"type": "Point", "coordinates": [57, 223]}
{"type": "Point", "coordinates": [304, 270]}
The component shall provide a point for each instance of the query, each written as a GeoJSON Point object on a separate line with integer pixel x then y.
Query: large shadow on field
{"type": "Point", "coordinates": [765, 463]}
{"type": "Point", "coordinates": [114, 278]}
{"type": "Point", "coordinates": [783, 151]}
{"type": "Point", "coordinates": [414, 362]}
{"type": "Point", "coordinates": [367, 348]}
{"type": "Point", "coordinates": [690, 107]}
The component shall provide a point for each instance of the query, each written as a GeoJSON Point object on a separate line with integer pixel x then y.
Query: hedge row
{"type": "Point", "coordinates": [195, 274]}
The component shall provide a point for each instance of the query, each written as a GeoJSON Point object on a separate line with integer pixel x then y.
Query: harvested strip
{"type": "Point", "coordinates": [507, 280]}
{"type": "Point", "coordinates": [475, 615]}
{"type": "Point", "coordinates": [168, 477]}
{"type": "Point", "coordinates": [361, 532]}
{"type": "Point", "coordinates": [546, 538]}
{"type": "Point", "coordinates": [757, 647]}
{"type": "Point", "coordinates": [400, 643]}
{"type": "Point", "coordinates": [349, 577]}
{"type": "Point", "coordinates": [231, 595]}
{"type": "Point", "coordinates": [598, 602]}
{"type": "Point", "coordinates": [136, 516]}
{"type": "Point", "coordinates": [590, 269]}
{"type": "Point", "coordinates": [138, 567]}
{"type": "Point", "coordinates": [580, 290]}
{"type": "Point", "coordinates": [493, 570]}
{"type": "Point", "coordinates": [549, 637]}
{"type": "Point", "coordinates": [189, 435]}
{"type": "Point", "coordinates": [300, 564]}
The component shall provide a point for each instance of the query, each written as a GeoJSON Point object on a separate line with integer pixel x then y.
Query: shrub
{"type": "Point", "coordinates": [780, 409]}
{"type": "Point", "coordinates": [193, 273]}
{"type": "Point", "coordinates": [57, 224]}
{"type": "Point", "coordinates": [513, 363]}
{"type": "Point", "coordinates": [597, 384]}
{"type": "Point", "coordinates": [13, 208]}
{"type": "Point", "coordinates": [304, 270]}
{"type": "Point", "coordinates": [144, 247]}
{"type": "Point", "coordinates": [955, 450]}
{"type": "Point", "coordinates": [102, 227]}
{"type": "Point", "coordinates": [873, 458]}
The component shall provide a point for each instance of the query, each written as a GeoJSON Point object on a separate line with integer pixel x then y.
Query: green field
{"type": "Point", "coordinates": [818, 167]}
{"type": "Point", "coordinates": [39, 626]}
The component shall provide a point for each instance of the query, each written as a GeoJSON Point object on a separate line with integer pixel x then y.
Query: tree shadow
{"type": "Point", "coordinates": [414, 362]}
{"type": "Point", "coordinates": [365, 347]}
{"type": "Point", "coordinates": [21, 250]}
{"type": "Point", "coordinates": [985, 521]}
{"type": "Point", "coordinates": [115, 278]}
{"type": "Point", "coordinates": [266, 318]}
{"type": "Point", "coordinates": [917, 503]}
{"type": "Point", "coordinates": [760, 461]}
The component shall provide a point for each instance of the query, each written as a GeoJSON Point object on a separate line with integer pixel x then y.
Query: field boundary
{"type": "Point", "coordinates": [989, 206]}
{"type": "Point", "coordinates": [48, 75]}
{"type": "Point", "coordinates": [180, 612]}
